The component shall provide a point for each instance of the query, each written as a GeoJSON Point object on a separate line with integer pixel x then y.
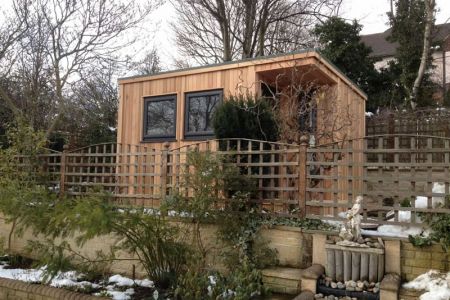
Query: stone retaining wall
{"type": "Point", "coordinates": [416, 261]}
{"type": "Point", "coordinates": [294, 247]}
{"type": "Point", "coordinates": [19, 290]}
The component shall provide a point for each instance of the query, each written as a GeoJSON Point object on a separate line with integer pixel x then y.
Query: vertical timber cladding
{"type": "Point", "coordinates": [234, 78]}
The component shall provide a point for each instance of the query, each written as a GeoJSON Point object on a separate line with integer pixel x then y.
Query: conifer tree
{"type": "Point", "coordinates": [341, 43]}
{"type": "Point", "coordinates": [408, 27]}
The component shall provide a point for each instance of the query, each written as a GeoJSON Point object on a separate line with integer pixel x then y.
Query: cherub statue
{"type": "Point", "coordinates": [351, 231]}
{"type": "Point", "coordinates": [355, 218]}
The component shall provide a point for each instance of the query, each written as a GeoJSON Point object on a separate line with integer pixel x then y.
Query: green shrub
{"type": "Point", "coordinates": [210, 179]}
{"type": "Point", "coordinates": [154, 241]}
{"type": "Point", "coordinates": [245, 117]}
{"type": "Point", "coordinates": [243, 282]}
{"type": "Point", "coordinates": [439, 223]}
{"type": "Point", "coordinates": [23, 184]}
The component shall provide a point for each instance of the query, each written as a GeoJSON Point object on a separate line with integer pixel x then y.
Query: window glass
{"type": "Point", "coordinates": [200, 109]}
{"type": "Point", "coordinates": [160, 114]}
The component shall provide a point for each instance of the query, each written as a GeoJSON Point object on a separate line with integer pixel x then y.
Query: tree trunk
{"type": "Point", "coordinates": [249, 21]}
{"type": "Point", "coordinates": [224, 22]}
{"type": "Point", "coordinates": [429, 12]}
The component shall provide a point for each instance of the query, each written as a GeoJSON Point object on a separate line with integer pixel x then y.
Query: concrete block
{"type": "Point", "coordinates": [392, 256]}
{"type": "Point", "coordinates": [388, 295]}
{"type": "Point", "coordinates": [390, 286]}
{"type": "Point", "coordinates": [283, 280]}
{"type": "Point", "coordinates": [318, 250]}
{"type": "Point", "coordinates": [313, 272]}
{"type": "Point", "coordinates": [423, 255]}
{"type": "Point", "coordinates": [309, 285]}
{"type": "Point", "coordinates": [305, 295]}
{"type": "Point", "coordinates": [408, 254]}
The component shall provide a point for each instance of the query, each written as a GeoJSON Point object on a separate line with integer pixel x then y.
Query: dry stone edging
{"type": "Point", "coordinates": [11, 289]}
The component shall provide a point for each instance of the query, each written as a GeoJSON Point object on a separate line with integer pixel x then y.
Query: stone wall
{"type": "Point", "coordinates": [416, 261]}
{"type": "Point", "coordinates": [18, 290]}
{"type": "Point", "coordinates": [293, 246]}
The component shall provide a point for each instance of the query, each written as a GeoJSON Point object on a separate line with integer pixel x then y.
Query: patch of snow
{"type": "Point", "coordinates": [117, 295]}
{"type": "Point", "coordinates": [395, 231]}
{"type": "Point", "coordinates": [369, 114]}
{"type": "Point", "coordinates": [438, 188]}
{"type": "Point", "coordinates": [120, 280]}
{"type": "Point", "coordinates": [27, 275]}
{"type": "Point", "coordinates": [212, 280]}
{"type": "Point", "coordinates": [334, 223]}
{"type": "Point", "coordinates": [62, 279]}
{"type": "Point", "coordinates": [70, 279]}
{"type": "Point", "coordinates": [436, 285]}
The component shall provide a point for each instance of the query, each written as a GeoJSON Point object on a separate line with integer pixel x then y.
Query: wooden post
{"type": "Point", "coordinates": [380, 267]}
{"type": "Point", "coordinates": [373, 267]}
{"type": "Point", "coordinates": [339, 265]}
{"type": "Point", "coordinates": [302, 175]}
{"type": "Point", "coordinates": [364, 266]}
{"type": "Point", "coordinates": [62, 180]}
{"type": "Point", "coordinates": [347, 265]}
{"type": "Point", "coordinates": [356, 262]}
{"type": "Point", "coordinates": [164, 161]}
{"type": "Point", "coordinates": [331, 264]}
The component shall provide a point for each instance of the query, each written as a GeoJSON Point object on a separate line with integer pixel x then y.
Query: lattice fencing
{"type": "Point", "coordinates": [141, 175]}
{"type": "Point", "coordinates": [432, 122]}
{"type": "Point", "coordinates": [399, 176]}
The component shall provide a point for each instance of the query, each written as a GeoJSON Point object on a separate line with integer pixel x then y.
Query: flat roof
{"type": "Point", "coordinates": [241, 63]}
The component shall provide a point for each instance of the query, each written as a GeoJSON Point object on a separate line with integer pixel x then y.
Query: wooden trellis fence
{"type": "Point", "coordinates": [293, 180]}
{"type": "Point", "coordinates": [399, 176]}
{"type": "Point", "coordinates": [431, 121]}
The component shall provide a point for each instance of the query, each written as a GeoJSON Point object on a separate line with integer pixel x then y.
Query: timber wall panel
{"type": "Point", "coordinates": [236, 78]}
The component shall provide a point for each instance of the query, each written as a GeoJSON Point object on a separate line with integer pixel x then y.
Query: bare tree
{"type": "Point", "coordinates": [94, 104]}
{"type": "Point", "coordinates": [150, 64]}
{"type": "Point", "coordinates": [11, 31]}
{"type": "Point", "coordinates": [224, 30]}
{"type": "Point", "coordinates": [429, 22]}
{"type": "Point", "coordinates": [305, 107]}
{"type": "Point", "coordinates": [64, 38]}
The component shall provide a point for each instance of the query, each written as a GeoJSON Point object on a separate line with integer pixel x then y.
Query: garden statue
{"type": "Point", "coordinates": [351, 230]}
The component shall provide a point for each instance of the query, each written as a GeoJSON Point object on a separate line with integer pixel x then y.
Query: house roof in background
{"type": "Point", "coordinates": [382, 48]}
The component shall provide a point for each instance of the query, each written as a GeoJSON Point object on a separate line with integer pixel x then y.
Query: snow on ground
{"type": "Point", "coordinates": [120, 280]}
{"type": "Point", "coordinates": [395, 231]}
{"type": "Point", "coordinates": [114, 287]}
{"type": "Point", "coordinates": [403, 216]}
{"type": "Point", "coordinates": [436, 285]}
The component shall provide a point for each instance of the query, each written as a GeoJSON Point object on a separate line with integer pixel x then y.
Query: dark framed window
{"type": "Point", "coordinates": [199, 112]}
{"type": "Point", "coordinates": [160, 115]}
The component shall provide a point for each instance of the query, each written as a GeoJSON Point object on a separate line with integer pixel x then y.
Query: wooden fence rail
{"type": "Point", "coordinates": [399, 176]}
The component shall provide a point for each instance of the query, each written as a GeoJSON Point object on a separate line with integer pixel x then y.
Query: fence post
{"type": "Point", "coordinates": [62, 180]}
{"type": "Point", "coordinates": [164, 161]}
{"type": "Point", "coordinates": [302, 169]}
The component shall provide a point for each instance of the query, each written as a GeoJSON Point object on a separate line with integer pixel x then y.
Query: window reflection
{"type": "Point", "coordinates": [160, 117]}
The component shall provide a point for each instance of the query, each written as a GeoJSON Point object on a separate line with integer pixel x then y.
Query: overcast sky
{"type": "Point", "coordinates": [370, 13]}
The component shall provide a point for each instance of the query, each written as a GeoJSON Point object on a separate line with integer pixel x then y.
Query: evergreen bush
{"type": "Point", "coordinates": [245, 117]}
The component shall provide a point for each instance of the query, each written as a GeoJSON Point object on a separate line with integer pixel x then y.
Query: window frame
{"type": "Point", "coordinates": [159, 137]}
{"type": "Point", "coordinates": [199, 135]}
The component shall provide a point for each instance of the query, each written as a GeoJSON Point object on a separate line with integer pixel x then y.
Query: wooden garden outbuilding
{"type": "Point", "coordinates": [177, 106]}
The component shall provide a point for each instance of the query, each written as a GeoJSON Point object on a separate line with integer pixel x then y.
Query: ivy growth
{"type": "Point", "coordinates": [217, 192]}
{"type": "Point", "coordinates": [439, 224]}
